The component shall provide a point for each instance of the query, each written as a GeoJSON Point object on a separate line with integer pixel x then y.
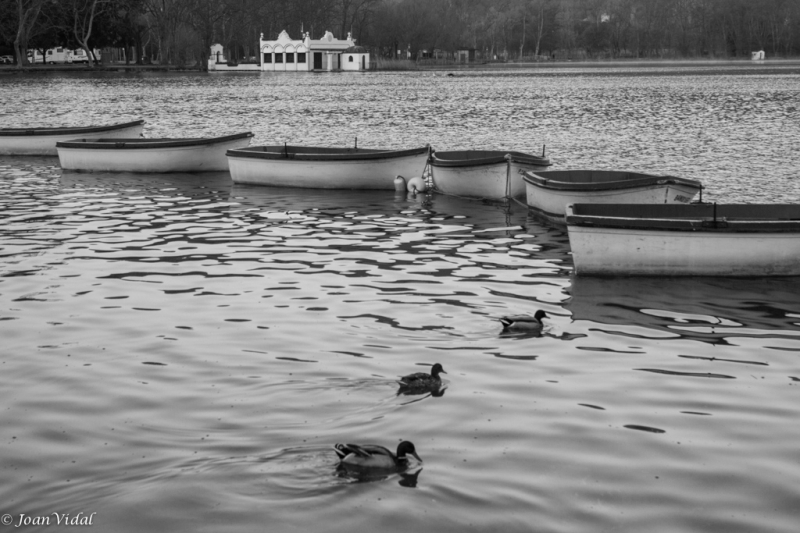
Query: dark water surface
{"type": "Point", "coordinates": [180, 353]}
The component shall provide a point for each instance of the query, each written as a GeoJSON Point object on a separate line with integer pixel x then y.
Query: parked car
{"type": "Point", "coordinates": [7, 60]}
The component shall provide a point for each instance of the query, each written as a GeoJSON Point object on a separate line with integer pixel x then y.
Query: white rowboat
{"type": "Point", "coordinates": [149, 155]}
{"type": "Point", "coordinates": [548, 193]}
{"type": "Point", "coordinates": [42, 141]}
{"type": "Point", "coordinates": [492, 174]}
{"type": "Point", "coordinates": [685, 239]}
{"type": "Point", "coordinates": [325, 168]}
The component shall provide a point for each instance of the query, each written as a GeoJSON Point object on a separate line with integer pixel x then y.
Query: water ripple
{"type": "Point", "coordinates": [177, 335]}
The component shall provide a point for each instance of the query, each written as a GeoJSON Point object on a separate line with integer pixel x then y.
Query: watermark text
{"type": "Point", "coordinates": [52, 519]}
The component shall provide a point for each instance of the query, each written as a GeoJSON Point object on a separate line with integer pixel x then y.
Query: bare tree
{"type": "Point", "coordinates": [204, 17]}
{"type": "Point", "coordinates": [166, 17]}
{"type": "Point", "coordinates": [81, 16]}
{"type": "Point", "coordinates": [27, 15]}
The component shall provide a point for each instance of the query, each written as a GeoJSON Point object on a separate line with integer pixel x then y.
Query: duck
{"type": "Point", "coordinates": [423, 381]}
{"type": "Point", "coordinates": [374, 456]}
{"type": "Point", "coordinates": [524, 322]}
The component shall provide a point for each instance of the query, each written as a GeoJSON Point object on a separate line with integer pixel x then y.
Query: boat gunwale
{"type": "Point", "coordinates": [716, 222]}
{"type": "Point", "coordinates": [77, 130]}
{"type": "Point", "coordinates": [499, 156]}
{"type": "Point", "coordinates": [640, 180]}
{"type": "Point", "coordinates": [144, 143]}
{"type": "Point", "coordinates": [284, 153]}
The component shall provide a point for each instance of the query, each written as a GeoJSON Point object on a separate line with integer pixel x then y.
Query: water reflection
{"type": "Point", "coordinates": [137, 184]}
{"type": "Point", "coordinates": [407, 478]}
{"type": "Point", "coordinates": [166, 336]}
{"type": "Point", "coordinates": [432, 392]}
{"type": "Point", "coordinates": [709, 310]}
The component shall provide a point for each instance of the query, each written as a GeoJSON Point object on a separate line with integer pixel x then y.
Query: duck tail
{"type": "Point", "coordinates": [506, 322]}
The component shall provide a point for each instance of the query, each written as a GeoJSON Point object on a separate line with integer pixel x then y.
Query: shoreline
{"type": "Point", "coordinates": [539, 65]}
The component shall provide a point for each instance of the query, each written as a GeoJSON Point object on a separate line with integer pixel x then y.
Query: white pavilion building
{"type": "Point", "coordinates": [305, 55]}
{"type": "Point", "coordinates": [325, 54]}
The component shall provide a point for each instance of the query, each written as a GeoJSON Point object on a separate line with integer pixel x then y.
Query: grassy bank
{"type": "Point", "coordinates": [383, 63]}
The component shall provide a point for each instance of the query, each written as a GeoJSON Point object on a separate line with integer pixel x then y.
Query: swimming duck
{"type": "Point", "coordinates": [374, 456]}
{"type": "Point", "coordinates": [524, 322]}
{"type": "Point", "coordinates": [421, 380]}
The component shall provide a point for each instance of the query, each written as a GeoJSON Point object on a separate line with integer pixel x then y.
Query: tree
{"type": "Point", "coordinates": [351, 10]}
{"type": "Point", "coordinates": [532, 13]}
{"type": "Point", "coordinates": [28, 12]}
{"type": "Point", "coordinates": [166, 16]}
{"type": "Point", "coordinates": [122, 24]}
{"type": "Point", "coordinates": [80, 20]}
{"type": "Point", "coordinates": [204, 17]}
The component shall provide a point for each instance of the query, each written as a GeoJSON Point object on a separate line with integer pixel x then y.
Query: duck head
{"type": "Point", "coordinates": [436, 370]}
{"type": "Point", "coordinates": [539, 315]}
{"type": "Point", "coordinates": [406, 448]}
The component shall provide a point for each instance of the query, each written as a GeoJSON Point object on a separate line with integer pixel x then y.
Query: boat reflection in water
{"type": "Point", "coordinates": [700, 308]}
{"type": "Point", "coordinates": [133, 184]}
{"type": "Point", "coordinates": [482, 215]}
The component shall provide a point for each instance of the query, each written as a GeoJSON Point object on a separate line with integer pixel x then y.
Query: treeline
{"type": "Point", "coordinates": [182, 31]}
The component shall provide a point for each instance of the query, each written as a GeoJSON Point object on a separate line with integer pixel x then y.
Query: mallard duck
{"type": "Point", "coordinates": [374, 456]}
{"type": "Point", "coordinates": [421, 380]}
{"type": "Point", "coordinates": [524, 322]}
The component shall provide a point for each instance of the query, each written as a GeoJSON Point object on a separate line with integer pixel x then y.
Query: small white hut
{"type": "Point", "coordinates": [355, 58]}
{"type": "Point", "coordinates": [217, 55]}
{"type": "Point", "coordinates": [757, 56]}
{"type": "Point", "coordinates": [218, 63]}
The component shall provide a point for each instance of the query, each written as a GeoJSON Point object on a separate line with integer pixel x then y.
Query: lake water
{"type": "Point", "coordinates": [180, 353]}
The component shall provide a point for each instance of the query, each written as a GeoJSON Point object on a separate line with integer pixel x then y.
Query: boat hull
{"type": "Point", "coordinates": [325, 168]}
{"type": "Point", "coordinates": [691, 245]}
{"type": "Point", "coordinates": [483, 174]}
{"type": "Point", "coordinates": [42, 141]}
{"type": "Point", "coordinates": [150, 155]}
{"type": "Point", "coordinates": [548, 193]}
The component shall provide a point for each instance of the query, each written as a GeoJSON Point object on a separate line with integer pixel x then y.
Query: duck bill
{"type": "Point", "coordinates": [417, 456]}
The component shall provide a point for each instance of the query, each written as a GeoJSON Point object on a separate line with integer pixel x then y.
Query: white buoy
{"type": "Point", "coordinates": [417, 184]}
{"type": "Point", "coordinates": [399, 184]}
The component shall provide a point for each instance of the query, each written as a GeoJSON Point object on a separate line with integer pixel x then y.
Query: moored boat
{"type": "Point", "coordinates": [149, 155]}
{"type": "Point", "coordinates": [548, 193]}
{"type": "Point", "coordinates": [492, 174]}
{"type": "Point", "coordinates": [685, 239]}
{"type": "Point", "coordinates": [325, 168]}
{"type": "Point", "coordinates": [42, 141]}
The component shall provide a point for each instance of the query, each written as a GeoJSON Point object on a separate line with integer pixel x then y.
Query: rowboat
{"type": "Point", "coordinates": [42, 141]}
{"type": "Point", "coordinates": [314, 167]}
{"type": "Point", "coordinates": [149, 155]}
{"type": "Point", "coordinates": [492, 174]}
{"type": "Point", "coordinates": [685, 239]}
{"type": "Point", "coordinates": [548, 193]}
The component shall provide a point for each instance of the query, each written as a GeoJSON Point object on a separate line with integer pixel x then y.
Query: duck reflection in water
{"type": "Point", "coordinates": [436, 393]}
{"type": "Point", "coordinates": [422, 383]}
{"type": "Point", "coordinates": [408, 478]}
